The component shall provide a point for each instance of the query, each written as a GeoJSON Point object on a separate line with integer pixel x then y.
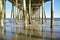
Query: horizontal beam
{"type": "Point", "coordinates": [31, 4]}
{"type": "Point", "coordinates": [33, 7]}
{"type": "Point", "coordinates": [35, 4]}
{"type": "Point", "coordinates": [19, 4]}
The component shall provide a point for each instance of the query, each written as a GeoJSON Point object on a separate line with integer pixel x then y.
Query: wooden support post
{"type": "Point", "coordinates": [16, 6]}
{"type": "Point", "coordinates": [16, 11]}
{"type": "Point", "coordinates": [4, 15]}
{"type": "Point", "coordinates": [13, 10]}
{"type": "Point", "coordinates": [52, 14]}
{"type": "Point", "coordinates": [39, 14]}
{"type": "Point", "coordinates": [4, 10]}
{"type": "Point", "coordinates": [45, 15]}
{"type": "Point", "coordinates": [2, 19]}
{"type": "Point", "coordinates": [0, 11]}
{"type": "Point", "coordinates": [42, 11]}
{"type": "Point", "coordinates": [11, 15]}
{"type": "Point", "coordinates": [29, 11]}
{"type": "Point", "coordinates": [20, 14]}
{"type": "Point", "coordinates": [24, 13]}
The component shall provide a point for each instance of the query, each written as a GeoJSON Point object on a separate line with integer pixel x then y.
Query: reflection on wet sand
{"type": "Point", "coordinates": [2, 34]}
{"type": "Point", "coordinates": [52, 35]}
{"type": "Point", "coordinates": [18, 32]}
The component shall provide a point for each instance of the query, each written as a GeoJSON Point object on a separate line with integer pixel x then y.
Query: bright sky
{"type": "Point", "coordinates": [47, 9]}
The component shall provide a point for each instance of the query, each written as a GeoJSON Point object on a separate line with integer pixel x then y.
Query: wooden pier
{"type": "Point", "coordinates": [30, 9]}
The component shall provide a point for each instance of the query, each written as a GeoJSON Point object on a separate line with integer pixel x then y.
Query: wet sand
{"type": "Point", "coordinates": [15, 31]}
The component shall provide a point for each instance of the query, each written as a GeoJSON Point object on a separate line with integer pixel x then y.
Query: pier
{"type": "Point", "coordinates": [25, 22]}
{"type": "Point", "coordinates": [30, 10]}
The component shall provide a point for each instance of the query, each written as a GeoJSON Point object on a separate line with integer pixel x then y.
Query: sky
{"type": "Point", "coordinates": [47, 9]}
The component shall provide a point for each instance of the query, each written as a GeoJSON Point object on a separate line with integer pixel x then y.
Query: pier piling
{"type": "Point", "coordinates": [42, 11]}
{"type": "Point", "coordinates": [52, 14]}
{"type": "Point", "coordinates": [25, 13]}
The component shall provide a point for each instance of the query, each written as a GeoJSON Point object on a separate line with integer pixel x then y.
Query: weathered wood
{"type": "Point", "coordinates": [29, 11]}
{"type": "Point", "coordinates": [44, 15]}
{"type": "Point", "coordinates": [5, 10]}
{"type": "Point", "coordinates": [16, 12]}
{"type": "Point", "coordinates": [0, 11]}
{"type": "Point", "coordinates": [11, 13]}
{"type": "Point", "coordinates": [24, 13]}
{"type": "Point", "coordinates": [33, 2]}
{"type": "Point", "coordinates": [39, 14]}
{"type": "Point", "coordinates": [42, 11]}
{"type": "Point", "coordinates": [16, 8]}
{"type": "Point", "coordinates": [13, 10]}
{"type": "Point", "coordinates": [52, 14]}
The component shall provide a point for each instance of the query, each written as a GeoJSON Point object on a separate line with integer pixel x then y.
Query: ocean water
{"type": "Point", "coordinates": [14, 31]}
